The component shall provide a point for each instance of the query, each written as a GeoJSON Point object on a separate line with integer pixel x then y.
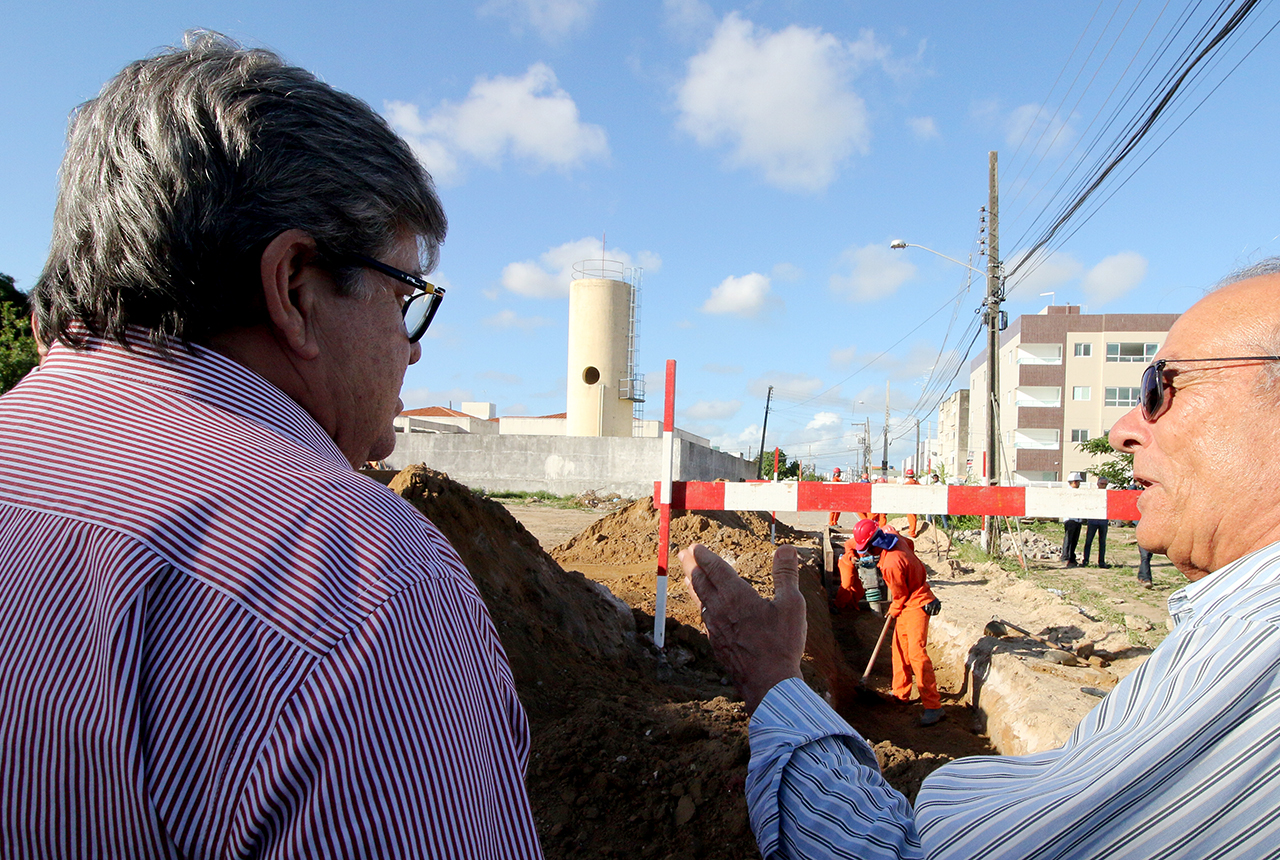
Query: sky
{"type": "Point", "coordinates": [754, 160]}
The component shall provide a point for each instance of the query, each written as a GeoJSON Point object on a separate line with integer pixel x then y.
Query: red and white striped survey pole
{"type": "Point", "coordinates": [664, 505]}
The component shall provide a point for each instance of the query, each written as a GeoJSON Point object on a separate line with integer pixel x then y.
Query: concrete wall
{"type": "Point", "coordinates": [565, 465]}
{"type": "Point", "coordinates": [522, 426]}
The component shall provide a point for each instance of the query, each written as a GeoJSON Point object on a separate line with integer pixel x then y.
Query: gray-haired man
{"type": "Point", "coordinates": [255, 651]}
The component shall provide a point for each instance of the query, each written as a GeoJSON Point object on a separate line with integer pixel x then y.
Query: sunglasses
{"type": "Point", "coordinates": [1153, 398]}
{"type": "Point", "coordinates": [420, 308]}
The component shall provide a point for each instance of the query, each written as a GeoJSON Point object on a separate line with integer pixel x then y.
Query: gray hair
{"type": "Point", "coordinates": [1268, 343]}
{"type": "Point", "coordinates": [184, 168]}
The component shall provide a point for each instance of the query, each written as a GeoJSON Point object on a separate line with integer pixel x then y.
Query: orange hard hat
{"type": "Point", "coordinates": [864, 531]}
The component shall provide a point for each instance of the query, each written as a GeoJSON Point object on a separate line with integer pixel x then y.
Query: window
{"type": "Point", "coordinates": [1079, 435]}
{"type": "Point", "coordinates": [1126, 397]}
{"type": "Point", "coordinates": [1081, 392]}
{"type": "Point", "coordinates": [1084, 350]}
{"type": "Point", "coordinates": [1141, 353]}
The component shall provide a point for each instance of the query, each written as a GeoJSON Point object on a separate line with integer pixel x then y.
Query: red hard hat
{"type": "Point", "coordinates": [863, 533]}
{"type": "Point", "coordinates": [836, 470]}
{"type": "Point", "coordinates": [911, 473]}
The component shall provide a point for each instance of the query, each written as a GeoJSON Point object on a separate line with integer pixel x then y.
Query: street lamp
{"type": "Point", "coordinates": [995, 324]}
{"type": "Point", "coordinates": [898, 245]}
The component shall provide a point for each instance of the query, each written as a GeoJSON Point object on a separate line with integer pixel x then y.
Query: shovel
{"type": "Point", "coordinates": [884, 634]}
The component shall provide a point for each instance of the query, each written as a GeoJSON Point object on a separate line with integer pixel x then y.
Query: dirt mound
{"type": "Point", "coordinates": [628, 539]}
{"type": "Point", "coordinates": [630, 535]}
{"type": "Point", "coordinates": [624, 764]}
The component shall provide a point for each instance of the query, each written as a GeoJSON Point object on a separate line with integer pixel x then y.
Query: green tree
{"type": "Point", "coordinates": [17, 346]}
{"type": "Point", "coordinates": [787, 469]}
{"type": "Point", "coordinates": [1117, 468]}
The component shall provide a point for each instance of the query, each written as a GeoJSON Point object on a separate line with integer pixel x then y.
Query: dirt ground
{"type": "Point", "coordinates": [638, 753]}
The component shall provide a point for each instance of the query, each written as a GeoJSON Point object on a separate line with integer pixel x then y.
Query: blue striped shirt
{"type": "Point", "coordinates": [1177, 761]}
{"type": "Point", "coordinates": [217, 640]}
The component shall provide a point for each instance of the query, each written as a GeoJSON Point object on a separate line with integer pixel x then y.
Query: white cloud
{"type": "Point", "coordinates": [743, 297]}
{"type": "Point", "coordinates": [923, 127]}
{"type": "Point", "coordinates": [529, 119]}
{"type": "Point", "coordinates": [689, 19]}
{"type": "Point", "coordinates": [794, 384]}
{"type": "Point", "coordinates": [781, 101]}
{"type": "Point", "coordinates": [713, 410]}
{"type": "Point", "coordinates": [787, 272]}
{"type": "Point", "coordinates": [843, 356]}
{"type": "Point", "coordinates": [549, 276]}
{"type": "Point", "coordinates": [1035, 129]}
{"type": "Point", "coordinates": [1044, 275]}
{"type": "Point", "coordinates": [823, 419]}
{"type": "Point", "coordinates": [876, 272]}
{"type": "Point", "coordinates": [510, 319]}
{"type": "Point", "coordinates": [420, 398]}
{"type": "Point", "coordinates": [552, 19]}
{"type": "Point", "coordinates": [497, 376]}
{"type": "Point", "coordinates": [745, 440]}
{"type": "Point", "coordinates": [1114, 276]}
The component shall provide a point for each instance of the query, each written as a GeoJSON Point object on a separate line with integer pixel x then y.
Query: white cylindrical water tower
{"type": "Point", "coordinates": [601, 379]}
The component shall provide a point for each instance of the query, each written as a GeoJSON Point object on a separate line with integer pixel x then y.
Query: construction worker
{"type": "Point", "coordinates": [833, 517]}
{"type": "Point", "coordinates": [911, 518]}
{"type": "Point", "coordinates": [913, 602]}
{"type": "Point", "coordinates": [851, 589]}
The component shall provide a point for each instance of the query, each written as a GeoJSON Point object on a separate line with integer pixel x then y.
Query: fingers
{"type": "Point", "coordinates": [705, 572]}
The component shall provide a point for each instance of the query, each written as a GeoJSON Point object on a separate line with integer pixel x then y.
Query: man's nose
{"type": "Point", "coordinates": [1130, 432]}
{"type": "Point", "coordinates": [415, 351]}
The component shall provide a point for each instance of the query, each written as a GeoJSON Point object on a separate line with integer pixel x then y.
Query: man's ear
{"type": "Point", "coordinates": [291, 284]}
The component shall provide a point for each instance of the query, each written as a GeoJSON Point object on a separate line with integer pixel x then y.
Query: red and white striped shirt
{"type": "Point", "coordinates": [217, 640]}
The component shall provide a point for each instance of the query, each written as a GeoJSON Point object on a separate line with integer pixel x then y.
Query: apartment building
{"type": "Point", "coordinates": [950, 448]}
{"type": "Point", "coordinates": [1065, 377]}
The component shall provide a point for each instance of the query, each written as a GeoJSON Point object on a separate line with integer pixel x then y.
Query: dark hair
{"type": "Point", "coordinates": [187, 164]}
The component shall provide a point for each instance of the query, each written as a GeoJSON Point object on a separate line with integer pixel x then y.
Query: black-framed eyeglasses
{"type": "Point", "coordinates": [1153, 399]}
{"type": "Point", "coordinates": [420, 308]}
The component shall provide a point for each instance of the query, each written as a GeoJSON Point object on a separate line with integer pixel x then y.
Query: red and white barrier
{"type": "Point", "coordinates": [1047, 502]}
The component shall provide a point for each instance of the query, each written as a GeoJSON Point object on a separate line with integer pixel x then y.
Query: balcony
{"type": "Point", "coordinates": [1037, 396]}
{"type": "Point", "coordinates": [1049, 353]}
{"type": "Point", "coordinates": [1025, 438]}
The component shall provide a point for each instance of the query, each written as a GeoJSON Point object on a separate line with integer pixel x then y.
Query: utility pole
{"type": "Point", "coordinates": [884, 461]}
{"type": "Point", "coordinates": [760, 462]}
{"type": "Point", "coordinates": [995, 294]}
{"type": "Point", "coordinates": [866, 451]}
{"type": "Point", "coordinates": [916, 464]}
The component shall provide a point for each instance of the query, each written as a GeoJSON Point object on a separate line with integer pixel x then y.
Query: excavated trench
{"type": "Point", "coordinates": [637, 754]}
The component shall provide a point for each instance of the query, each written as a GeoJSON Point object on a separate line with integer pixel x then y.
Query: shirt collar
{"type": "Point", "coordinates": [1188, 602]}
{"type": "Point", "coordinates": [197, 372]}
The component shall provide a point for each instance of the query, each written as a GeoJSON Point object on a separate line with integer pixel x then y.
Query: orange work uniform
{"type": "Point", "coordinates": [911, 518]}
{"type": "Point", "coordinates": [904, 574]}
{"type": "Point", "coordinates": [851, 590]}
{"type": "Point", "coordinates": [882, 520]}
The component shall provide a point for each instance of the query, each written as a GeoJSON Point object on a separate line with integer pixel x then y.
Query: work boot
{"type": "Point", "coordinates": [932, 716]}
{"type": "Point", "coordinates": [1104, 565]}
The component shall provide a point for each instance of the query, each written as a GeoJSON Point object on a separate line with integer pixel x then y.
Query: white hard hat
{"type": "Point", "coordinates": [1075, 476]}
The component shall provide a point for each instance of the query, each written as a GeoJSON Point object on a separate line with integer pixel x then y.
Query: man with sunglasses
{"type": "Point", "coordinates": [1180, 759]}
{"type": "Point", "coordinates": [255, 651]}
